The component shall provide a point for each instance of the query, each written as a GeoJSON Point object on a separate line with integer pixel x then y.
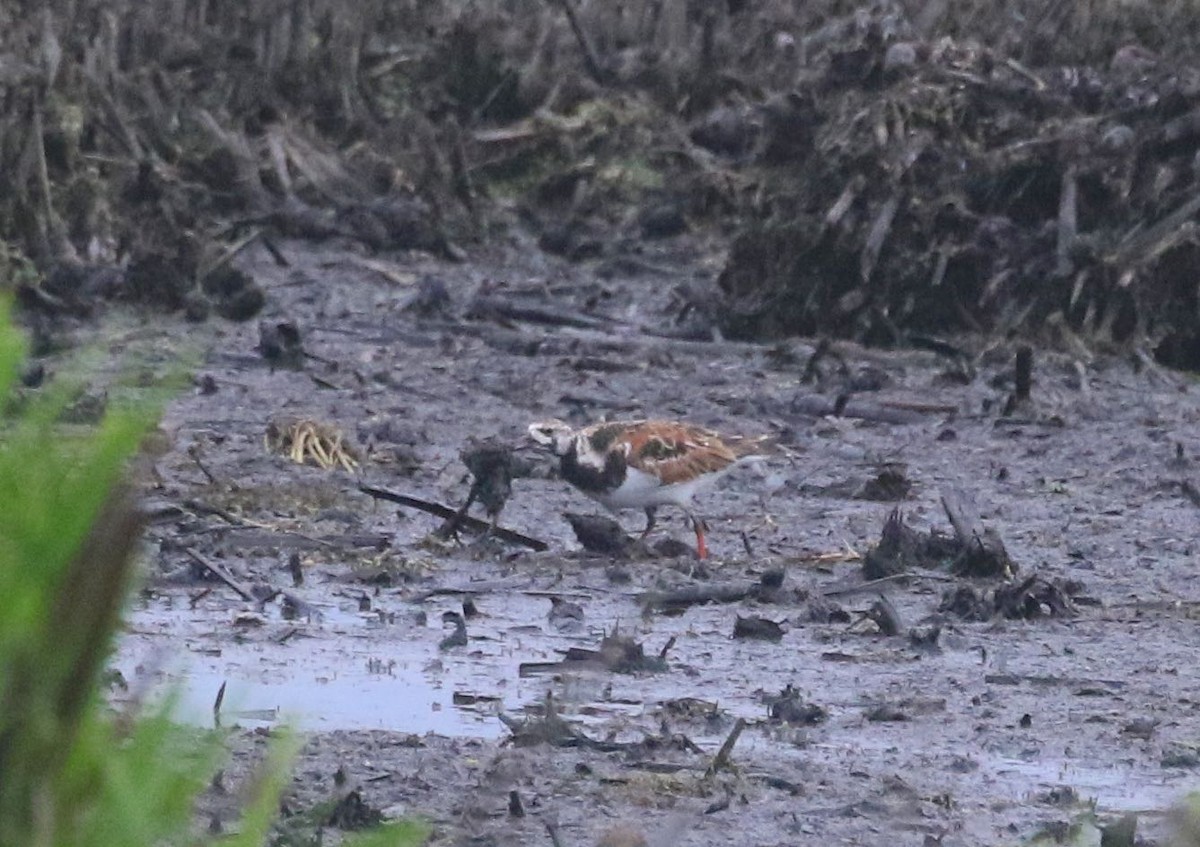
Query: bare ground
{"type": "Point", "coordinates": [1003, 730]}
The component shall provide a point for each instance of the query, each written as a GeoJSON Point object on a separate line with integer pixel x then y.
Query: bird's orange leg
{"type": "Point", "coordinates": [701, 544]}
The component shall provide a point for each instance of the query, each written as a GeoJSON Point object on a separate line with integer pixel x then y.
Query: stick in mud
{"type": "Point", "coordinates": [220, 574]}
{"type": "Point", "coordinates": [441, 511]}
{"type": "Point", "coordinates": [1023, 373]}
{"type": "Point", "coordinates": [217, 705]}
{"type": "Point", "coordinates": [721, 760]}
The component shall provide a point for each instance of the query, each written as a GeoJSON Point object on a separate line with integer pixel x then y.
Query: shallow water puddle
{"type": "Point", "coordinates": [320, 693]}
{"type": "Point", "coordinates": [339, 670]}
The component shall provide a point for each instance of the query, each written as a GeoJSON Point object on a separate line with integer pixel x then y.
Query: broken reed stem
{"type": "Point", "coordinates": [1023, 378]}
{"type": "Point", "coordinates": [721, 760]}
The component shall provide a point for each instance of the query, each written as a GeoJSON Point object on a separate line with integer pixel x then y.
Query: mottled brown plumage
{"type": "Point", "coordinates": [645, 464]}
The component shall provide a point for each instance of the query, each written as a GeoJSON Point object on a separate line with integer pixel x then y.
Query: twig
{"type": "Point", "coordinates": [441, 511]}
{"type": "Point", "coordinates": [1017, 68]}
{"type": "Point", "coordinates": [219, 573]}
{"type": "Point", "coordinates": [194, 453]}
{"type": "Point", "coordinates": [504, 308]}
{"type": "Point", "coordinates": [721, 760]}
{"type": "Point", "coordinates": [872, 584]}
{"type": "Point", "coordinates": [552, 831]}
{"type": "Point", "coordinates": [918, 406]}
{"type": "Point", "coordinates": [217, 705]}
{"type": "Point", "coordinates": [590, 60]}
{"type": "Point", "coordinates": [817, 405]}
{"type": "Point", "coordinates": [698, 595]}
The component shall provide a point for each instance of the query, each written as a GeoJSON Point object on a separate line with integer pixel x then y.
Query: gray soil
{"type": "Point", "coordinates": [1000, 731]}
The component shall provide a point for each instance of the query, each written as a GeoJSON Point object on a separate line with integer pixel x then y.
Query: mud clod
{"type": "Point", "coordinates": [280, 345]}
{"type": "Point", "coordinates": [1027, 599]}
{"type": "Point", "coordinates": [760, 629]}
{"type": "Point", "coordinates": [599, 534]}
{"type": "Point", "coordinates": [352, 813]}
{"type": "Point", "coordinates": [789, 707]}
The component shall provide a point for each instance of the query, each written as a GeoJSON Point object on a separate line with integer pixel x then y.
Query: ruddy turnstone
{"type": "Point", "coordinates": [645, 464]}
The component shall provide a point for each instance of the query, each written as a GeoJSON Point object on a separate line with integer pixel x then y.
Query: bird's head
{"type": "Point", "coordinates": [554, 434]}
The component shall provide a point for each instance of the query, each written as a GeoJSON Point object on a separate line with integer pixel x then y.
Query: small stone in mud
{"type": "Point", "coordinates": [1140, 728]}
{"type": "Point", "coordinates": [772, 579]}
{"type": "Point", "coordinates": [599, 534]}
{"type": "Point", "coordinates": [824, 610]}
{"type": "Point", "coordinates": [206, 385]}
{"type": "Point", "coordinates": [757, 628]}
{"type": "Point", "coordinates": [886, 713]}
{"type": "Point", "coordinates": [673, 548]}
{"type": "Point", "coordinates": [925, 637]}
{"type": "Point", "coordinates": [889, 485]}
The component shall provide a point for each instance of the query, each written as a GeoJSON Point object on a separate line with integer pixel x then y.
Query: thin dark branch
{"type": "Point", "coordinates": [446, 512]}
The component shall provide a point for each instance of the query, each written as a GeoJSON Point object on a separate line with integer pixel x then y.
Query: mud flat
{"type": "Point", "coordinates": [975, 722]}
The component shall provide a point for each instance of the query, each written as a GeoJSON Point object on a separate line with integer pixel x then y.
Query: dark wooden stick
{"type": "Point", "coordinates": [1023, 373]}
{"type": "Point", "coordinates": [220, 574]}
{"type": "Point", "coordinates": [503, 307]}
{"type": "Point", "coordinates": [446, 512]}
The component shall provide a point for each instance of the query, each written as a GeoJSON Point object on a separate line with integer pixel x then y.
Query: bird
{"type": "Point", "coordinates": [645, 464]}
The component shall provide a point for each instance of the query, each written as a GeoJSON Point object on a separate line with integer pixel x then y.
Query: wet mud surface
{"type": "Point", "coordinates": [991, 732]}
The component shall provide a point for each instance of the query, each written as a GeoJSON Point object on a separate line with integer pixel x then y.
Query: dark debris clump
{"type": "Point", "coordinates": [1028, 599]}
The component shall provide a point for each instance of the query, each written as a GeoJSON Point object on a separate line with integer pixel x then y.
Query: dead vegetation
{"type": "Point", "coordinates": [893, 167]}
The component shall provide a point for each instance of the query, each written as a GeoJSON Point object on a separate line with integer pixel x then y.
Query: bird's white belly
{"type": "Point", "coordinates": [640, 490]}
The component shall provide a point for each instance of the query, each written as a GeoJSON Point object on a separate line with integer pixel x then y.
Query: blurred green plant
{"type": "Point", "coordinates": [73, 771]}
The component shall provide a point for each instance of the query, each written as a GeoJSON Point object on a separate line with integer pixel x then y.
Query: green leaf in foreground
{"type": "Point", "coordinates": [402, 833]}
{"type": "Point", "coordinates": [72, 772]}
